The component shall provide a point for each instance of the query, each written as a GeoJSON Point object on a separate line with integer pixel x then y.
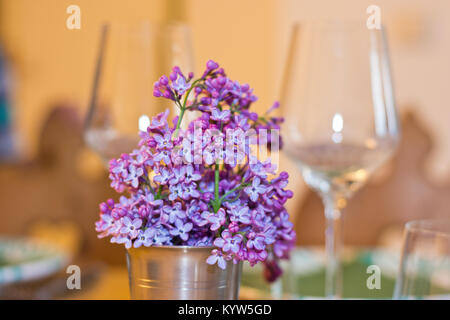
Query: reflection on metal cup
{"type": "Point", "coordinates": [180, 272]}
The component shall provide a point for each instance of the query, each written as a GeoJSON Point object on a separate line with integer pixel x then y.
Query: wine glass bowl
{"type": "Point", "coordinates": [131, 58]}
{"type": "Point", "coordinates": [425, 261]}
{"type": "Point", "coordinates": [340, 117]}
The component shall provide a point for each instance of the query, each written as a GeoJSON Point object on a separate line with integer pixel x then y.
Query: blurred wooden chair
{"type": "Point", "coordinates": [53, 187]}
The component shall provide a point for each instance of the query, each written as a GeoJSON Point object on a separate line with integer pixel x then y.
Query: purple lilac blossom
{"type": "Point", "coordinates": [177, 190]}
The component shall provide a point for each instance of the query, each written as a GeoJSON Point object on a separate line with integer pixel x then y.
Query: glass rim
{"type": "Point", "coordinates": [439, 226]}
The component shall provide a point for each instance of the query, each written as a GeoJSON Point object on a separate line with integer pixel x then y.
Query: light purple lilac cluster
{"type": "Point", "coordinates": [182, 192]}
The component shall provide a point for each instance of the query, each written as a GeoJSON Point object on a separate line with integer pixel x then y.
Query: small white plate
{"type": "Point", "coordinates": [23, 259]}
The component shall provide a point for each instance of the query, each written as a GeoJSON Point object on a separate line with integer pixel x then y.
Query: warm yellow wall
{"type": "Point", "coordinates": [249, 37]}
{"type": "Point", "coordinates": [53, 63]}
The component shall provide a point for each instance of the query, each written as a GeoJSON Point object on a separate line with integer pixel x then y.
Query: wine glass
{"type": "Point", "coordinates": [425, 262]}
{"type": "Point", "coordinates": [131, 58]}
{"type": "Point", "coordinates": [340, 117]}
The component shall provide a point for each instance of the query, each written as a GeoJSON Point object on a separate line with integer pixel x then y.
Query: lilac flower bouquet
{"type": "Point", "coordinates": [203, 185]}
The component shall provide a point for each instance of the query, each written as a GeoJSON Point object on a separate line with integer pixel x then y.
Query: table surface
{"type": "Point", "coordinates": [112, 282]}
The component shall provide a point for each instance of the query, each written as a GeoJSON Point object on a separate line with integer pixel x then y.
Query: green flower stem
{"type": "Point", "coordinates": [147, 182]}
{"type": "Point", "coordinates": [239, 187]}
{"type": "Point", "coordinates": [158, 196]}
{"type": "Point", "coordinates": [216, 182]}
{"type": "Point", "coordinates": [183, 107]}
{"type": "Point", "coordinates": [182, 110]}
{"type": "Point", "coordinates": [216, 203]}
{"type": "Point", "coordinates": [189, 92]}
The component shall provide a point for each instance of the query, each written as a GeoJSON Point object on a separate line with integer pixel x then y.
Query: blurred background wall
{"type": "Point", "coordinates": [249, 37]}
{"type": "Point", "coordinates": [51, 63]}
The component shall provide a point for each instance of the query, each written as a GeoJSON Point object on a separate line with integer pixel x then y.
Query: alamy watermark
{"type": "Point", "coordinates": [374, 19]}
{"type": "Point", "coordinates": [232, 147]}
{"type": "Point", "coordinates": [73, 21]}
{"type": "Point", "coordinates": [374, 280]}
{"type": "Point", "coordinates": [74, 280]}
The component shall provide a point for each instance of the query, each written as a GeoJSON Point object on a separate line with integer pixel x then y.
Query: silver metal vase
{"type": "Point", "coordinates": [180, 273]}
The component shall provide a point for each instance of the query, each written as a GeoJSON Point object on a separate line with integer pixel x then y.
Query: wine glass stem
{"type": "Point", "coordinates": [333, 275]}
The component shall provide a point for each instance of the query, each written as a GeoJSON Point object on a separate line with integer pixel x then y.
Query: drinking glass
{"type": "Point", "coordinates": [425, 262]}
{"type": "Point", "coordinates": [340, 117]}
{"type": "Point", "coordinates": [131, 58]}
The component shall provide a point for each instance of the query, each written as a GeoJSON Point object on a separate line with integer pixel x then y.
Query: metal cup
{"type": "Point", "coordinates": [180, 273]}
